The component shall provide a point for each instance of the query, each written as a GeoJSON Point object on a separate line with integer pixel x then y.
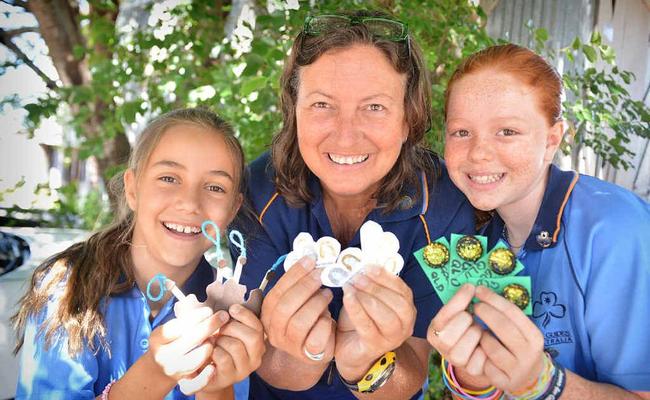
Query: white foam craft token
{"type": "Point", "coordinates": [335, 275]}
{"type": "Point", "coordinates": [377, 248]}
{"type": "Point", "coordinates": [351, 258]}
{"type": "Point", "coordinates": [327, 250]}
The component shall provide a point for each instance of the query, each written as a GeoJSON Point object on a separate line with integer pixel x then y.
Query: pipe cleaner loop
{"type": "Point", "coordinates": [237, 239]}
{"type": "Point", "coordinates": [161, 279]}
{"type": "Point", "coordinates": [216, 240]}
{"type": "Point", "coordinates": [278, 262]}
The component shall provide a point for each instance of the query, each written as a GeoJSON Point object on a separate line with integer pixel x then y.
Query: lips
{"type": "Point", "coordinates": [347, 159]}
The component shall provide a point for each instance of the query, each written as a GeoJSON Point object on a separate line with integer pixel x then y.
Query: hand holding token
{"type": "Point", "coordinates": [514, 348]}
{"type": "Point", "coordinates": [456, 336]}
{"type": "Point", "coordinates": [378, 315]}
{"type": "Point", "coordinates": [181, 346]}
{"type": "Point", "coordinates": [238, 351]}
{"type": "Point", "coordinates": [295, 314]}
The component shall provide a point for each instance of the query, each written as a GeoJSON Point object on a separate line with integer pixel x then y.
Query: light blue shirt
{"type": "Point", "coordinates": [589, 259]}
{"type": "Point", "coordinates": [53, 374]}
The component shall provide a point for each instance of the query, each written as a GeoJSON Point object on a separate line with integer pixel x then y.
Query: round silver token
{"type": "Point", "coordinates": [335, 275]}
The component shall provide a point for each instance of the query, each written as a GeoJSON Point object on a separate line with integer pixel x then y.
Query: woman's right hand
{"type": "Point", "coordinates": [181, 346]}
{"type": "Point", "coordinates": [456, 336]}
{"type": "Point", "coordinates": [295, 314]}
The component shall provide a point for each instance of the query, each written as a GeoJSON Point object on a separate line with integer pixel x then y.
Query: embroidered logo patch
{"type": "Point", "coordinates": [547, 307]}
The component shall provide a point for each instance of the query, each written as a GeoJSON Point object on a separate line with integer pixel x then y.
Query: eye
{"type": "Point", "coordinates": [320, 104]}
{"type": "Point", "coordinates": [507, 132]}
{"type": "Point", "coordinates": [168, 179]}
{"type": "Point", "coordinates": [216, 188]}
{"type": "Point", "coordinates": [376, 107]}
{"type": "Point", "coordinates": [460, 133]}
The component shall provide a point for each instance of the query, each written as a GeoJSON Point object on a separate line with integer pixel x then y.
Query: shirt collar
{"type": "Point", "coordinates": [547, 225]}
{"type": "Point", "coordinates": [202, 276]}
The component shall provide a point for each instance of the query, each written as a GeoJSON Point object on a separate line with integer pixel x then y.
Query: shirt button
{"type": "Point", "coordinates": [144, 343]}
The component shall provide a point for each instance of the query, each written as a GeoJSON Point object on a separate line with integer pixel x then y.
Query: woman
{"type": "Point", "coordinates": [582, 241]}
{"type": "Point", "coordinates": [356, 106]}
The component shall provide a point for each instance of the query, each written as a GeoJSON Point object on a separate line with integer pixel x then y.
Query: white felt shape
{"type": "Point", "coordinates": [303, 241]}
{"type": "Point", "coordinates": [327, 250]}
{"type": "Point", "coordinates": [370, 234]}
{"type": "Point", "coordinates": [351, 258]}
{"type": "Point", "coordinates": [394, 264]}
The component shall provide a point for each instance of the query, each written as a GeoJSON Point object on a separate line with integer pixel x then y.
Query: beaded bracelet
{"type": "Point", "coordinates": [449, 379]}
{"type": "Point", "coordinates": [106, 390]}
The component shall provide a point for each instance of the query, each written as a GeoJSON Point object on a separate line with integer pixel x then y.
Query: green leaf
{"type": "Point", "coordinates": [590, 53]}
{"type": "Point", "coordinates": [251, 85]}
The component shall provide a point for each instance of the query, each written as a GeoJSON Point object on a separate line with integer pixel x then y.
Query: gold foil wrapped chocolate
{"type": "Point", "coordinates": [517, 295]}
{"type": "Point", "coordinates": [502, 261]}
{"type": "Point", "coordinates": [436, 254]}
{"type": "Point", "coordinates": [469, 248]}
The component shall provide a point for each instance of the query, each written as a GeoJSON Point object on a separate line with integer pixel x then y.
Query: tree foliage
{"type": "Point", "coordinates": [186, 53]}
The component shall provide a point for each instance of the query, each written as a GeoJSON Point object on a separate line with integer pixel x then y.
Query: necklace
{"type": "Point", "coordinates": [504, 233]}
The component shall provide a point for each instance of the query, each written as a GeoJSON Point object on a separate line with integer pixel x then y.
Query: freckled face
{"type": "Point", "coordinates": [189, 177]}
{"type": "Point", "coordinates": [350, 119]}
{"type": "Point", "coordinates": [498, 142]}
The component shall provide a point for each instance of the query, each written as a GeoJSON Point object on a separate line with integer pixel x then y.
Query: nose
{"type": "Point", "coordinates": [349, 129]}
{"type": "Point", "coordinates": [188, 200]}
{"type": "Point", "coordinates": [480, 149]}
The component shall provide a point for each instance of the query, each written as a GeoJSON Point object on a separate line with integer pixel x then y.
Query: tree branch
{"type": "Point", "coordinates": [6, 40]}
{"type": "Point", "coordinates": [15, 32]}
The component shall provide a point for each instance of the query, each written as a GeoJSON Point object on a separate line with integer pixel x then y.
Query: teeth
{"type": "Point", "coordinates": [182, 228]}
{"type": "Point", "coordinates": [485, 179]}
{"type": "Point", "coordinates": [348, 160]}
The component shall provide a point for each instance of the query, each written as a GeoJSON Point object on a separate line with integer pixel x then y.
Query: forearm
{"type": "Point", "coordinates": [144, 380]}
{"type": "Point", "coordinates": [408, 377]}
{"type": "Point", "coordinates": [275, 367]}
{"type": "Point", "coordinates": [579, 388]}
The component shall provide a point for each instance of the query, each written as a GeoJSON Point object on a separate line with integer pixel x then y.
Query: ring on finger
{"type": "Point", "coordinates": [312, 356]}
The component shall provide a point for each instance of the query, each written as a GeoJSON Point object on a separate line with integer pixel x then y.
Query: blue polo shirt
{"type": "Point", "coordinates": [53, 374]}
{"type": "Point", "coordinates": [440, 210]}
{"type": "Point", "coordinates": [589, 260]}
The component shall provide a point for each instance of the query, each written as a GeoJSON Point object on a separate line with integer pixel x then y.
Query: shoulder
{"type": "Point", "coordinates": [260, 182]}
{"type": "Point", "coordinates": [447, 206]}
{"type": "Point", "coordinates": [596, 205]}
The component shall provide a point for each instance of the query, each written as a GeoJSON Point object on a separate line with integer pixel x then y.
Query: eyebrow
{"type": "Point", "coordinates": [174, 164]}
{"type": "Point", "coordinates": [318, 92]}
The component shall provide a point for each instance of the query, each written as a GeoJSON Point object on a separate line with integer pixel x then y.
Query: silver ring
{"type": "Point", "coordinates": [313, 357]}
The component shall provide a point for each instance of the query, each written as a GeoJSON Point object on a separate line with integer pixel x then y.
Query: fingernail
{"type": "Point", "coordinates": [307, 263]}
{"type": "Point", "coordinates": [326, 293]}
{"type": "Point", "coordinates": [235, 309]}
{"type": "Point", "coordinates": [223, 316]}
{"type": "Point", "coordinates": [315, 275]}
{"type": "Point", "coordinates": [348, 290]}
{"type": "Point", "coordinates": [373, 270]}
{"type": "Point", "coordinates": [361, 281]}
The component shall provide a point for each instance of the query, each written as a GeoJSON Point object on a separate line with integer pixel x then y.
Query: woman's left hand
{"type": "Point", "coordinates": [514, 347]}
{"type": "Point", "coordinates": [238, 351]}
{"type": "Point", "coordinates": [378, 315]}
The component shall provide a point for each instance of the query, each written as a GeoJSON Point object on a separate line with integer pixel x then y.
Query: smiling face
{"type": "Point", "coordinates": [350, 119]}
{"type": "Point", "coordinates": [498, 141]}
{"type": "Point", "coordinates": [189, 177]}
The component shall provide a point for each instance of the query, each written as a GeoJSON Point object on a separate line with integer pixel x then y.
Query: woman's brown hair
{"type": "Point", "coordinates": [85, 274]}
{"type": "Point", "coordinates": [292, 174]}
{"type": "Point", "coordinates": [526, 66]}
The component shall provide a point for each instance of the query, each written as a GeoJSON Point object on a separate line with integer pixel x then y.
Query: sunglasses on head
{"type": "Point", "coordinates": [383, 28]}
